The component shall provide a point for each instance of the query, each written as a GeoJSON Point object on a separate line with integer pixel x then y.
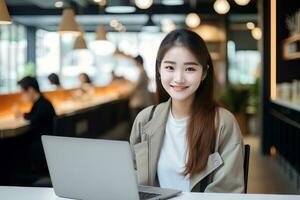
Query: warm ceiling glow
{"type": "Point", "coordinates": [221, 6]}
{"type": "Point", "coordinates": [113, 23]}
{"type": "Point", "coordinates": [59, 4]}
{"type": "Point", "coordinates": [168, 25]}
{"type": "Point", "coordinates": [143, 4]}
{"type": "Point", "coordinates": [242, 2]}
{"type": "Point", "coordinates": [100, 2]}
{"type": "Point", "coordinates": [250, 25]}
{"type": "Point", "coordinates": [192, 20]}
{"type": "Point", "coordinates": [256, 33]}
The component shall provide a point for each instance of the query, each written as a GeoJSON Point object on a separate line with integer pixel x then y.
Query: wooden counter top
{"type": "Point", "coordinates": [11, 127]}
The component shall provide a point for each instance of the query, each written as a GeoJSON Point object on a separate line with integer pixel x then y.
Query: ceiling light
{"type": "Point", "coordinates": [242, 2]}
{"type": "Point", "coordinates": [143, 4]}
{"type": "Point", "coordinates": [250, 25]}
{"type": "Point", "coordinates": [256, 33]}
{"type": "Point", "coordinates": [172, 2]}
{"type": "Point", "coordinates": [150, 26]}
{"type": "Point", "coordinates": [221, 6]}
{"type": "Point", "coordinates": [59, 4]}
{"type": "Point", "coordinates": [4, 14]}
{"type": "Point", "coordinates": [168, 25]}
{"type": "Point", "coordinates": [80, 43]}
{"type": "Point", "coordinates": [68, 24]}
{"type": "Point", "coordinates": [120, 27]}
{"type": "Point", "coordinates": [120, 6]}
{"type": "Point", "coordinates": [101, 46]}
{"type": "Point", "coordinates": [101, 2]}
{"type": "Point", "coordinates": [113, 23]}
{"type": "Point", "coordinates": [192, 20]}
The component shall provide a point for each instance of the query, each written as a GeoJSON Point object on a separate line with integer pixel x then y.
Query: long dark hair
{"type": "Point", "coordinates": [201, 130]}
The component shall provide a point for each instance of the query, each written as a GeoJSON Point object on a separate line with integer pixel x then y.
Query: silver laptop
{"type": "Point", "coordinates": [93, 169]}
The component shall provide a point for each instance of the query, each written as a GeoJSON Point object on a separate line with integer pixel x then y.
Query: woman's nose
{"type": "Point", "coordinates": [179, 77]}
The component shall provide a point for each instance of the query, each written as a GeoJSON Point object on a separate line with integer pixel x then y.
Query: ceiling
{"type": "Point", "coordinates": [43, 14]}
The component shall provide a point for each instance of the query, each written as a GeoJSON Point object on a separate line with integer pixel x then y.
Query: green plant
{"type": "Point", "coordinates": [29, 69]}
{"type": "Point", "coordinates": [235, 98]}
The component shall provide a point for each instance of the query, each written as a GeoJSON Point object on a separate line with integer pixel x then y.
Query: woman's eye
{"type": "Point", "coordinates": [190, 69]}
{"type": "Point", "coordinates": [169, 67]}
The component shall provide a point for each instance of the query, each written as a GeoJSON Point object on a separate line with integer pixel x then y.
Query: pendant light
{"type": "Point", "coordinates": [119, 6]}
{"type": "Point", "coordinates": [101, 46]}
{"type": "Point", "coordinates": [192, 20]}
{"type": "Point", "coordinates": [256, 33]}
{"type": "Point", "coordinates": [4, 15]}
{"type": "Point", "coordinates": [143, 4]}
{"type": "Point", "coordinates": [68, 24]}
{"type": "Point", "coordinates": [242, 2]}
{"type": "Point", "coordinates": [80, 42]}
{"type": "Point", "coordinates": [221, 6]}
{"type": "Point", "coordinates": [150, 26]}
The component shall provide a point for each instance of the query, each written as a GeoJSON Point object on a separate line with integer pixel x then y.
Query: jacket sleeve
{"type": "Point", "coordinates": [230, 176]}
{"type": "Point", "coordinates": [134, 138]}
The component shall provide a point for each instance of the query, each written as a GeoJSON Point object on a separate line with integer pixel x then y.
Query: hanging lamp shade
{"type": "Point", "coordinates": [101, 33]}
{"type": "Point", "coordinates": [4, 15]}
{"type": "Point", "coordinates": [150, 26]}
{"type": "Point", "coordinates": [80, 42]}
{"type": "Point", "coordinates": [68, 23]}
{"type": "Point", "coordinates": [101, 46]}
{"type": "Point", "coordinates": [120, 6]}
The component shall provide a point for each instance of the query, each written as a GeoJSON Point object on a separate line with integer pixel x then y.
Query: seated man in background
{"type": "Point", "coordinates": [41, 118]}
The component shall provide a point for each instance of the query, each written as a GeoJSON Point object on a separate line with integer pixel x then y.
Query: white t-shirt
{"type": "Point", "coordinates": [172, 159]}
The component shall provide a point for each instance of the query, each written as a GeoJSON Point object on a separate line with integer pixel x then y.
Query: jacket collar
{"type": "Point", "coordinates": [159, 119]}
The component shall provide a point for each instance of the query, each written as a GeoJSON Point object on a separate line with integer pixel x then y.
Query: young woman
{"type": "Point", "coordinates": [187, 141]}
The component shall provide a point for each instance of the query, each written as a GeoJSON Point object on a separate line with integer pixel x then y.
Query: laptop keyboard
{"type": "Point", "coordinates": [145, 195]}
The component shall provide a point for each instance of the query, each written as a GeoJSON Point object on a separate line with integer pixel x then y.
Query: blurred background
{"type": "Point", "coordinates": [255, 49]}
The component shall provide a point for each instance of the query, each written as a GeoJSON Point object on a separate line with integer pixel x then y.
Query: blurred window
{"type": "Point", "coordinates": [13, 46]}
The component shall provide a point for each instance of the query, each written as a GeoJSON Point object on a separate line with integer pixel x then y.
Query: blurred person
{"type": "Point", "coordinates": [115, 78]}
{"type": "Point", "coordinates": [41, 118]}
{"type": "Point", "coordinates": [54, 80]}
{"type": "Point", "coordinates": [86, 84]}
{"type": "Point", "coordinates": [187, 141]}
{"type": "Point", "coordinates": [140, 97]}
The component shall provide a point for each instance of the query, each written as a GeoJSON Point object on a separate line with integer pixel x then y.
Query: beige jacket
{"type": "Point", "coordinates": [224, 170]}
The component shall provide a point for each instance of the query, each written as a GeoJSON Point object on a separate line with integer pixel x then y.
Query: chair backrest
{"type": "Point", "coordinates": [246, 164]}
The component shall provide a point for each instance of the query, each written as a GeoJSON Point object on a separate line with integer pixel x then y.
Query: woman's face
{"type": "Point", "coordinates": [181, 73]}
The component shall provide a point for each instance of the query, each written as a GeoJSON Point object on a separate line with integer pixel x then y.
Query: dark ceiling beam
{"type": "Point", "coordinates": [203, 8]}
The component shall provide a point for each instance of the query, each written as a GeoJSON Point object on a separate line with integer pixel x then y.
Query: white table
{"type": "Point", "coordinates": [31, 193]}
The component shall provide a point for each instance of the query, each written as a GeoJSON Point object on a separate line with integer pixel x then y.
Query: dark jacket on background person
{"type": "Point", "coordinates": [41, 118]}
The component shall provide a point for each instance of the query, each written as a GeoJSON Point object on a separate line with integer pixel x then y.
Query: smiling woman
{"type": "Point", "coordinates": [190, 143]}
